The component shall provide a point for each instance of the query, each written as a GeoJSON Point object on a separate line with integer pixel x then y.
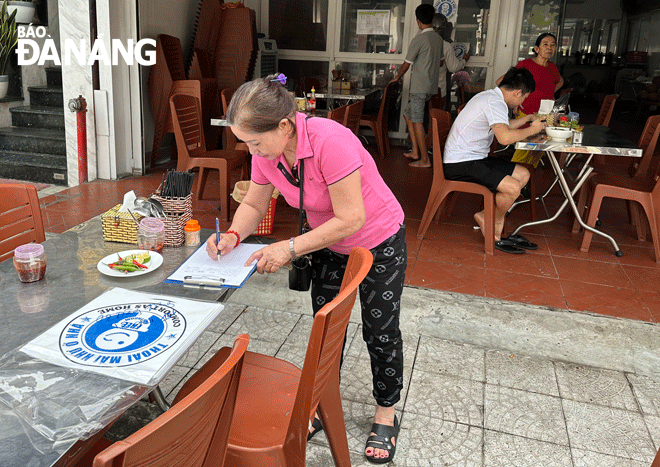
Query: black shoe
{"type": "Point", "coordinates": [508, 246]}
{"type": "Point", "coordinates": [522, 242]}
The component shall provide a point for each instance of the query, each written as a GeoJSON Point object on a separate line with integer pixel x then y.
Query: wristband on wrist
{"type": "Point", "coordinates": [238, 237]}
{"type": "Point", "coordinates": [292, 249]}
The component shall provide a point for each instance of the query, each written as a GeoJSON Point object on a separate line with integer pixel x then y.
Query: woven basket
{"type": "Point", "coordinates": [178, 211]}
{"type": "Point", "coordinates": [120, 226]}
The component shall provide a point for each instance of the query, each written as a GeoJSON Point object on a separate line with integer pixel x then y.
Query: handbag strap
{"type": "Point", "coordinates": [301, 174]}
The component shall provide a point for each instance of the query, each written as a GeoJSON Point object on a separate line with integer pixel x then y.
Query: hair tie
{"type": "Point", "coordinates": [281, 78]}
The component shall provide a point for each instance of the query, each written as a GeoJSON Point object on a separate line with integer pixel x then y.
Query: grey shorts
{"type": "Point", "coordinates": [415, 108]}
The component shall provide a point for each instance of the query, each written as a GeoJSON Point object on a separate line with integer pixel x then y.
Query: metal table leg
{"type": "Point", "coordinates": [568, 194]}
{"type": "Point", "coordinates": [160, 399]}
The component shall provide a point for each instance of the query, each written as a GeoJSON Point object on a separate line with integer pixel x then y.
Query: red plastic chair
{"type": "Point", "coordinates": [194, 431]}
{"type": "Point", "coordinates": [20, 218]}
{"type": "Point", "coordinates": [646, 194]}
{"type": "Point", "coordinates": [276, 399]}
{"type": "Point", "coordinates": [606, 109]}
{"type": "Point", "coordinates": [337, 114]}
{"type": "Point", "coordinates": [378, 122]}
{"type": "Point", "coordinates": [441, 187]}
{"type": "Point", "coordinates": [189, 132]}
{"type": "Point", "coordinates": [643, 170]}
{"type": "Point", "coordinates": [353, 115]}
{"type": "Point", "coordinates": [656, 460]}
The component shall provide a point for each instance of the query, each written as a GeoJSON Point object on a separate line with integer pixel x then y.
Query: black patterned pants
{"type": "Point", "coordinates": [380, 300]}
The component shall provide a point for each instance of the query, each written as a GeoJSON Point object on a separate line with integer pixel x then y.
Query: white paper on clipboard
{"type": "Point", "coordinates": [229, 270]}
{"type": "Point", "coordinates": [373, 22]}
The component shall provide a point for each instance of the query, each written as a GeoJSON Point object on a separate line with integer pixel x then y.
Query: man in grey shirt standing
{"type": "Point", "coordinates": [424, 57]}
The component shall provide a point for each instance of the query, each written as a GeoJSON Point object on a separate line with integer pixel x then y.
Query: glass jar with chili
{"type": "Point", "coordinates": [151, 234]}
{"type": "Point", "coordinates": [30, 262]}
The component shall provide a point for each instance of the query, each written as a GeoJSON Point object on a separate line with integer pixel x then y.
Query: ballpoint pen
{"type": "Point", "coordinates": [217, 232]}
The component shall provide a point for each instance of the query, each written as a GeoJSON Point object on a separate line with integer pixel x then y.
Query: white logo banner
{"type": "Point", "coordinates": [133, 336]}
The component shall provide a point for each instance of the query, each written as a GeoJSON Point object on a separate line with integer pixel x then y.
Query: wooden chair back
{"type": "Point", "coordinates": [353, 115]}
{"type": "Point", "coordinates": [606, 109]}
{"type": "Point", "coordinates": [194, 431]}
{"type": "Point", "coordinates": [20, 218]}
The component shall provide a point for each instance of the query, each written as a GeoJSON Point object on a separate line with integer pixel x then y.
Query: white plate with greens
{"type": "Point", "coordinates": [154, 262]}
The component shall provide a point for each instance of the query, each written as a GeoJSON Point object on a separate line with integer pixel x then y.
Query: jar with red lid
{"type": "Point", "coordinates": [151, 234]}
{"type": "Point", "coordinates": [30, 262]}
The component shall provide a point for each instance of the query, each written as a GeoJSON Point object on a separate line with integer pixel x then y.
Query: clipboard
{"type": "Point", "coordinates": [198, 270]}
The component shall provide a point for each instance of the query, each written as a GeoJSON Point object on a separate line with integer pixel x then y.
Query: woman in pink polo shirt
{"type": "Point", "coordinates": [348, 205]}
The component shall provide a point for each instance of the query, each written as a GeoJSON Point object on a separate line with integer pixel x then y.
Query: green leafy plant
{"type": "Point", "coordinates": [8, 36]}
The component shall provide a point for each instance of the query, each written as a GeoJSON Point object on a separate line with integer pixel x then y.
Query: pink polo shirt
{"type": "Point", "coordinates": [332, 152]}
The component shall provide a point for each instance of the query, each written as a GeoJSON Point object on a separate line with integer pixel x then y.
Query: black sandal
{"type": "Point", "coordinates": [382, 439]}
{"type": "Point", "coordinates": [317, 426]}
{"type": "Point", "coordinates": [522, 242]}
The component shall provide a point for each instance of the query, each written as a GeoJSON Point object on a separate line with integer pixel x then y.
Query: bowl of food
{"type": "Point", "coordinates": [558, 133]}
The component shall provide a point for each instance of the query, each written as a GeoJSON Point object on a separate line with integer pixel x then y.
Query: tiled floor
{"type": "Point", "coordinates": [451, 256]}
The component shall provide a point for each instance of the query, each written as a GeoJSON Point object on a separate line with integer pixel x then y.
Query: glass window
{"type": "Point", "coordinates": [369, 26]}
{"type": "Point", "coordinates": [471, 26]}
{"type": "Point", "coordinates": [300, 71]}
{"type": "Point", "coordinates": [538, 17]}
{"type": "Point", "coordinates": [373, 76]}
{"type": "Point", "coordinates": [298, 24]}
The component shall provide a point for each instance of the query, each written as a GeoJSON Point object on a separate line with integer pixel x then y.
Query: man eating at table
{"type": "Point", "coordinates": [466, 159]}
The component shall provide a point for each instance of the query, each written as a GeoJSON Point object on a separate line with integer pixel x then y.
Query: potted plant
{"type": "Point", "coordinates": [24, 10]}
{"type": "Point", "coordinates": [8, 41]}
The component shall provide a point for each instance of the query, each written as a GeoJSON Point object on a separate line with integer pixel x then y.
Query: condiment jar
{"type": "Point", "coordinates": [151, 234]}
{"type": "Point", "coordinates": [30, 262]}
{"type": "Point", "coordinates": [192, 233]}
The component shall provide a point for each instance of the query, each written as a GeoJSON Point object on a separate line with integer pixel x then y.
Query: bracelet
{"type": "Point", "coordinates": [292, 250]}
{"type": "Point", "coordinates": [238, 237]}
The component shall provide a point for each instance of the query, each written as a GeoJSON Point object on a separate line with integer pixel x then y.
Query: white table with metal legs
{"type": "Point", "coordinates": [597, 139]}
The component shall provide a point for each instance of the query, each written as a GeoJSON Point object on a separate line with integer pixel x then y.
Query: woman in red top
{"type": "Point", "coordinates": [546, 75]}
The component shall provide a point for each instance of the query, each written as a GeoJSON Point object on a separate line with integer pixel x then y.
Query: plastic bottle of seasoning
{"type": "Point", "coordinates": [312, 101]}
{"type": "Point", "coordinates": [192, 233]}
{"type": "Point", "coordinates": [30, 262]}
{"type": "Point", "coordinates": [151, 234]}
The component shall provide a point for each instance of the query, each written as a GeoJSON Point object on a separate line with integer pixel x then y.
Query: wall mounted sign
{"type": "Point", "coordinates": [460, 48]}
{"type": "Point", "coordinates": [446, 7]}
{"type": "Point", "coordinates": [373, 22]}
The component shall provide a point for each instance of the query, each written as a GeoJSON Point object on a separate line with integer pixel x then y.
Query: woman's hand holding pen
{"type": "Point", "coordinates": [224, 246]}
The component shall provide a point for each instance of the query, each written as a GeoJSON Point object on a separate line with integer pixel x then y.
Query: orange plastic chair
{"type": "Point", "coordinates": [656, 460]}
{"type": "Point", "coordinates": [646, 194]}
{"type": "Point", "coordinates": [189, 132]}
{"type": "Point", "coordinates": [460, 108]}
{"type": "Point", "coordinates": [193, 432]}
{"type": "Point", "coordinates": [337, 114]}
{"type": "Point", "coordinates": [353, 116]}
{"type": "Point", "coordinates": [441, 187]}
{"type": "Point", "coordinates": [276, 399]}
{"type": "Point", "coordinates": [606, 109]}
{"type": "Point", "coordinates": [643, 170]}
{"type": "Point", "coordinates": [378, 122]}
{"type": "Point", "coordinates": [20, 218]}
{"type": "Point", "coordinates": [232, 141]}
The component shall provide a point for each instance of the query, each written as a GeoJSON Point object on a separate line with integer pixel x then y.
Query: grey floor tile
{"type": "Point", "coordinates": [504, 450]}
{"type": "Point", "coordinates": [447, 397]}
{"type": "Point", "coordinates": [647, 393]}
{"type": "Point", "coordinates": [527, 414]}
{"type": "Point", "coordinates": [521, 372]}
{"type": "Point", "coordinates": [433, 442]}
{"type": "Point", "coordinates": [607, 430]}
{"type": "Point", "coordinates": [451, 358]}
{"type": "Point", "coordinates": [173, 378]}
{"type": "Point", "coordinates": [226, 317]}
{"type": "Point", "coordinates": [264, 324]}
{"type": "Point", "coordinates": [320, 456]}
{"type": "Point", "coordinates": [595, 386]}
{"type": "Point", "coordinates": [198, 349]}
{"type": "Point", "coordinates": [293, 354]}
{"type": "Point", "coordinates": [653, 424]}
{"type": "Point", "coordinates": [582, 458]}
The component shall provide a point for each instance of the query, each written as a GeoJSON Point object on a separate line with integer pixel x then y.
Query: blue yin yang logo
{"type": "Point", "coordinates": [123, 332]}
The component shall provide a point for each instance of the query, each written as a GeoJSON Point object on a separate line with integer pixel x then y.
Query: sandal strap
{"type": "Point", "coordinates": [379, 442]}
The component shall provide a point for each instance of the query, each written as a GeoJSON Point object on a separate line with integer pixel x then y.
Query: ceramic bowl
{"type": "Point", "coordinates": [558, 133]}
